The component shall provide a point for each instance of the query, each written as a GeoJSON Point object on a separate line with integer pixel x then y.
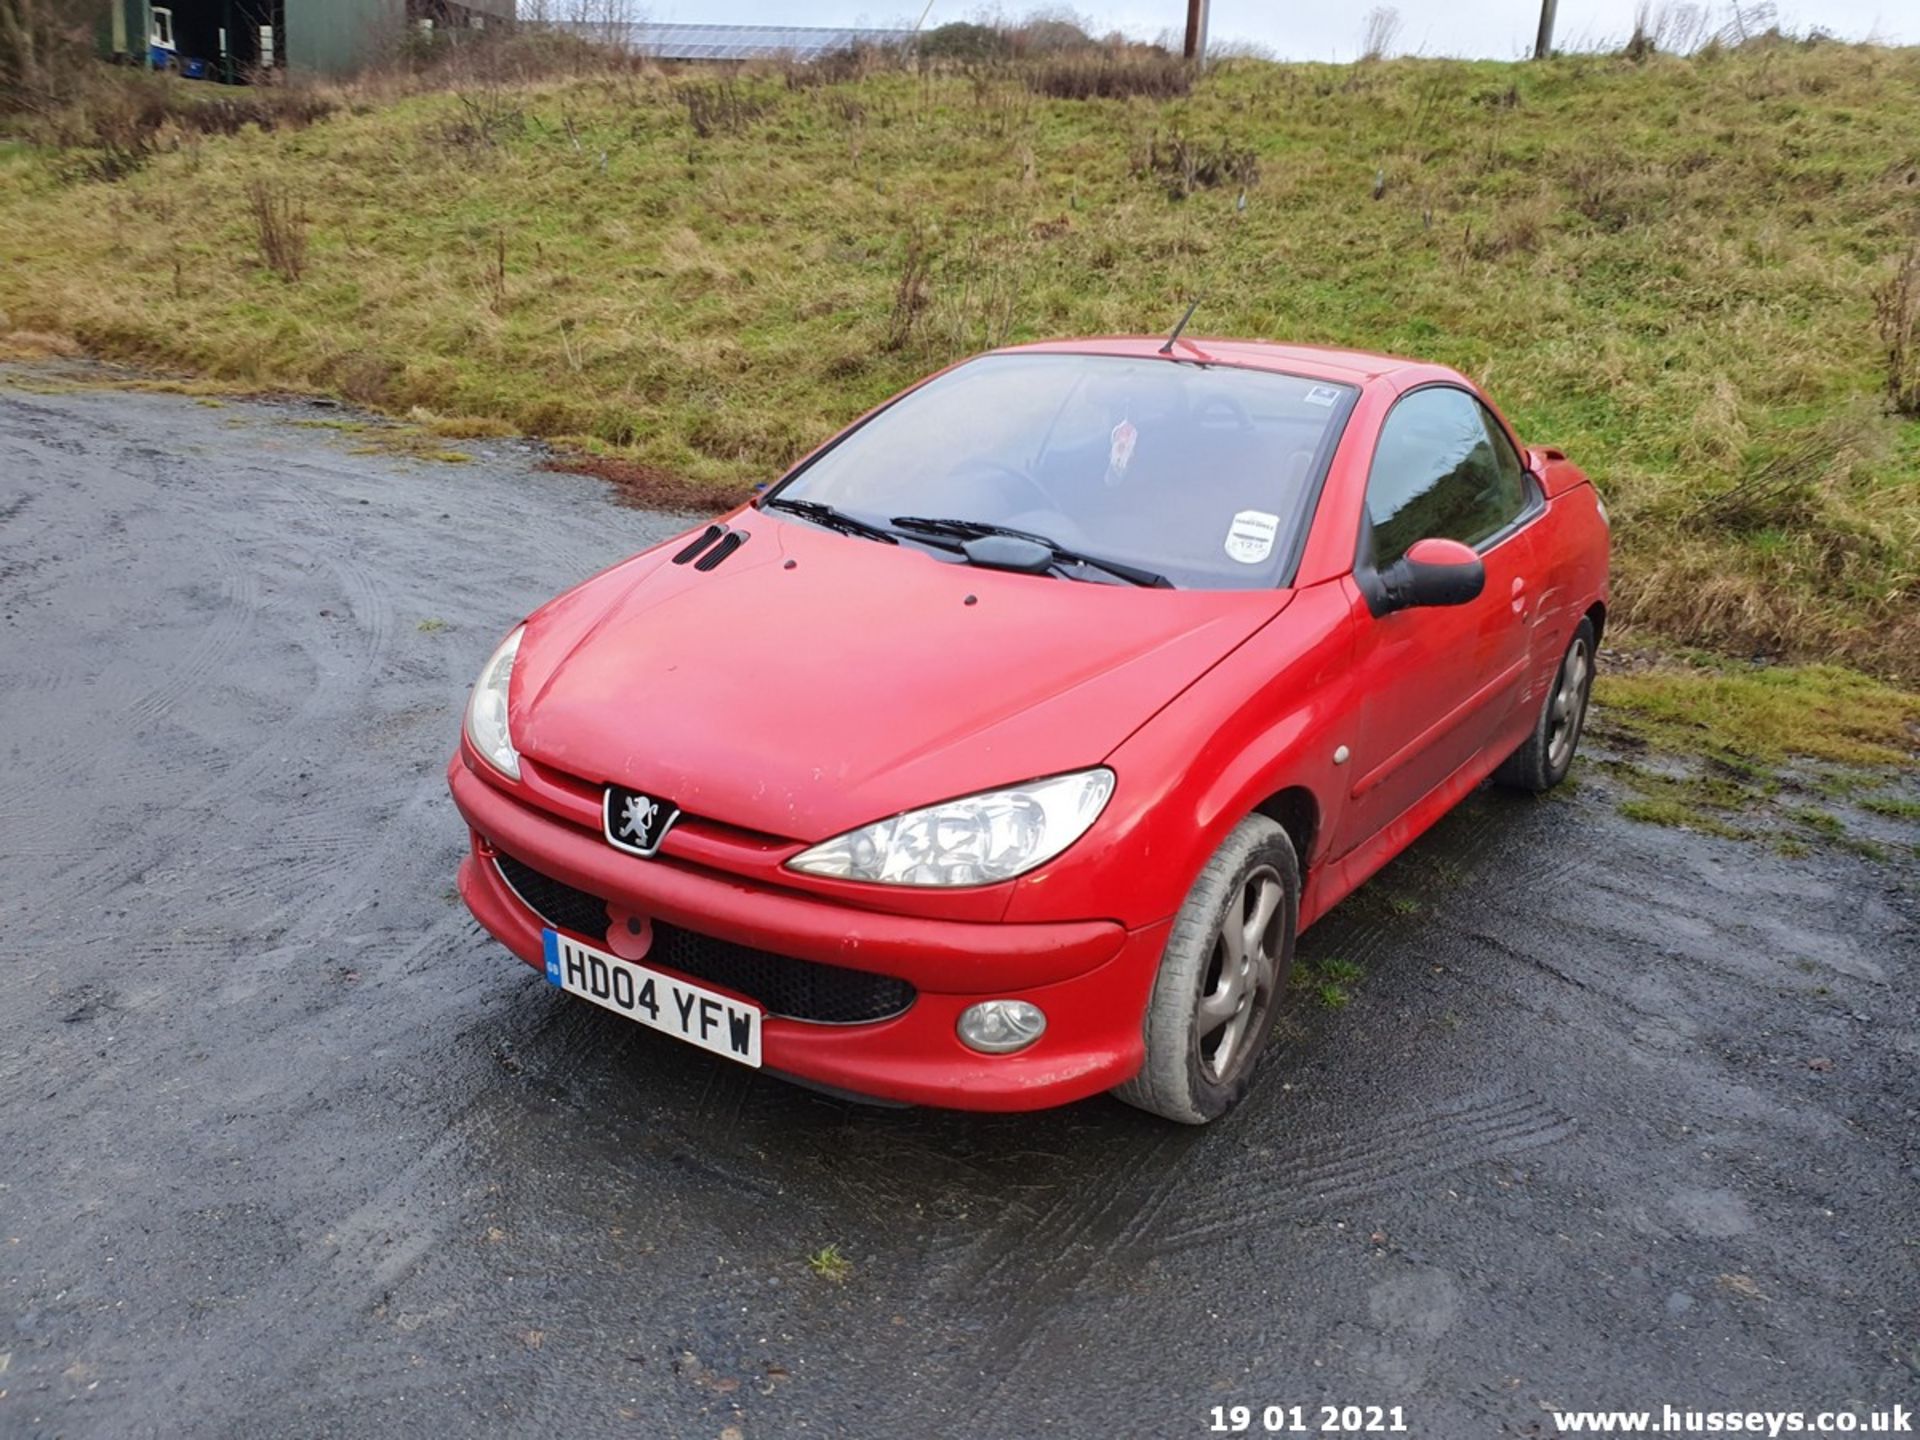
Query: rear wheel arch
{"type": "Point", "coordinates": [1544, 757]}
{"type": "Point", "coordinates": [1596, 615]}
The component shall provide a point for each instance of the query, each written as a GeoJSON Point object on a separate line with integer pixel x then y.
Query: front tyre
{"type": "Point", "coordinates": [1544, 760]}
{"type": "Point", "coordinates": [1225, 966]}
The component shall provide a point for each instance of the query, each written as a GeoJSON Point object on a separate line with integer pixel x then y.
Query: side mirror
{"type": "Point", "coordinates": [1433, 572]}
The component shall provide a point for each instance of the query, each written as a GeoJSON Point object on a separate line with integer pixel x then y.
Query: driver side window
{"type": "Point", "coordinates": [1442, 469]}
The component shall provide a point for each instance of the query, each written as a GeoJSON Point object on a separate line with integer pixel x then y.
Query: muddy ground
{"type": "Point", "coordinates": [1616, 1115]}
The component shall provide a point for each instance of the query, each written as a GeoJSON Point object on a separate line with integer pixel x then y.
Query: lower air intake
{"type": "Point", "coordinates": [794, 989]}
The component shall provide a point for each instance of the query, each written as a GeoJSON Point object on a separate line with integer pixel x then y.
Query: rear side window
{"type": "Point", "coordinates": [1442, 469]}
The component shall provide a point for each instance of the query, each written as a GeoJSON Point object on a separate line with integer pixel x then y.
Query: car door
{"type": "Point", "coordinates": [1439, 682]}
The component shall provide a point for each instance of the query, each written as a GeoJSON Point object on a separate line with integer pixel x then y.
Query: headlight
{"type": "Point", "coordinates": [971, 841]}
{"type": "Point", "coordinates": [487, 710]}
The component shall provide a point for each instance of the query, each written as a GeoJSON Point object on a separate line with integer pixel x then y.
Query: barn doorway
{"type": "Point", "coordinates": [236, 42]}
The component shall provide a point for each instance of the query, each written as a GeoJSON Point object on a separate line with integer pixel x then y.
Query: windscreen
{"type": "Point", "coordinates": [1202, 473]}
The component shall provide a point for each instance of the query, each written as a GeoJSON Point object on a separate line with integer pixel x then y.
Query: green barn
{"type": "Point", "coordinates": [238, 40]}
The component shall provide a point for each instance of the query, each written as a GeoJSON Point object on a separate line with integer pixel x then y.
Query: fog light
{"type": "Point", "coordinates": [1000, 1027]}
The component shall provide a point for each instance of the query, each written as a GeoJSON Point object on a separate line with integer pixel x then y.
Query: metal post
{"type": "Point", "coordinates": [1196, 48]}
{"type": "Point", "coordinates": [1543, 42]}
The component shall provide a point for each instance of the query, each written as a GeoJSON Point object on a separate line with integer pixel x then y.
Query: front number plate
{"type": "Point", "coordinates": [683, 1010]}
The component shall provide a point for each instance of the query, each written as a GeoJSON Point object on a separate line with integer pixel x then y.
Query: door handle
{"type": "Point", "coordinates": [1519, 596]}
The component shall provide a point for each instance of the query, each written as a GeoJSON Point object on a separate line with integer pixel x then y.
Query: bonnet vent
{"type": "Point", "coordinates": [733, 541]}
{"type": "Point", "coordinates": [700, 542]}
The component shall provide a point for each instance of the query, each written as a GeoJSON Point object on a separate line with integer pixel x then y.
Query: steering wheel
{"type": "Point", "coordinates": [1230, 403]}
{"type": "Point", "coordinates": [1001, 470]}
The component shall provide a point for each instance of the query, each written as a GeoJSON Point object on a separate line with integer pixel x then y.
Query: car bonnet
{"type": "Point", "coordinates": [810, 682]}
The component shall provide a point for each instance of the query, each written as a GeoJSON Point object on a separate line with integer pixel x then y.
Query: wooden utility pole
{"type": "Point", "coordinates": [1196, 50]}
{"type": "Point", "coordinates": [1543, 42]}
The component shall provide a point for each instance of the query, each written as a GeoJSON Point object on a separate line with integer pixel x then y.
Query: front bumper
{"type": "Point", "coordinates": [1092, 978]}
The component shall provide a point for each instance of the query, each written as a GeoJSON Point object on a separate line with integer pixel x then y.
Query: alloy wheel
{"type": "Point", "coordinates": [1237, 991]}
{"type": "Point", "coordinates": [1569, 704]}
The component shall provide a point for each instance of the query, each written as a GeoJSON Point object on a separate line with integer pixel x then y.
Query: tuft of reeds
{"type": "Point", "coordinates": [1185, 165]}
{"type": "Point", "coordinates": [279, 229]}
{"type": "Point", "coordinates": [1378, 34]}
{"type": "Point", "coordinates": [722, 107]}
{"type": "Point", "coordinates": [1896, 309]}
{"type": "Point", "coordinates": [1110, 75]}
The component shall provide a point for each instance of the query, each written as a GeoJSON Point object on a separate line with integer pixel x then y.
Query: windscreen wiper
{"type": "Point", "coordinates": [974, 529]}
{"type": "Point", "coordinates": [827, 515]}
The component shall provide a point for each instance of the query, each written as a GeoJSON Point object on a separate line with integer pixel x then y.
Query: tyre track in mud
{"type": "Point", "coordinates": [283, 895]}
{"type": "Point", "coordinates": [1132, 1220]}
{"type": "Point", "coordinates": [25, 545]}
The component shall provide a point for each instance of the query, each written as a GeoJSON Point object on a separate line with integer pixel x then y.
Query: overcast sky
{"type": "Point", "coordinates": [1498, 29]}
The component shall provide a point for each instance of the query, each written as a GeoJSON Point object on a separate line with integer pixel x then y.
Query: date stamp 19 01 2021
{"type": "Point", "coordinates": [1308, 1420]}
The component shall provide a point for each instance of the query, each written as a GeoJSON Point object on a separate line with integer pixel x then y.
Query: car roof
{"type": "Point", "coordinates": [1318, 362]}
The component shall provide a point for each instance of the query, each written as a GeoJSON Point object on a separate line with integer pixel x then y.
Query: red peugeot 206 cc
{"type": "Point", "coordinates": [996, 755]}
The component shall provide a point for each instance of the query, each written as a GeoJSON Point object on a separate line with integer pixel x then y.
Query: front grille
{"type": "Point", "coordinates": [796, 989]}
{"type": "Point", "coordinates": [555, 901]}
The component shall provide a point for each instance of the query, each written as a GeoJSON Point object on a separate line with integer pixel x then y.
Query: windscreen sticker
{"type": "Point", "coordinates": [1250, 537]}
{"type": "Point", "coordinates": [1322, 395]}
{"type": "Point", "coordinates": [1125, 437]}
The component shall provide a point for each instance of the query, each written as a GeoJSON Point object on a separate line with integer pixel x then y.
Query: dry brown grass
{"type": "Point", "coordinates": [646, 486]}
{"type": "Point", "coordinates": [1378, 33]}
{"type": "Point", "coordinates": [112, 123]}
{"type": "Point", "coordinates": [279, 229]}
{"type": "Point", "coordinates": [1897, 310]}
{"type": "Point", "coordinates": [37, 345]}
{"type": "Point", "coordinates": [1110, 75]}
{"type": "Point", "coordinates": [721, 107]}
{"type": "Point", "coordinates": [1185, 165]}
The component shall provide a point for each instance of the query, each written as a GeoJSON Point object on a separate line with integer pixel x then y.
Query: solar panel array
{"type": "Point", "coordinates": [745, 42]}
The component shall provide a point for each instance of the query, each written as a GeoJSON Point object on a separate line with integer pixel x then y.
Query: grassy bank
{"type": "Point", "coordinates": [1799, 756]}
{"type": "Point", "coordinates": [1667, 267]}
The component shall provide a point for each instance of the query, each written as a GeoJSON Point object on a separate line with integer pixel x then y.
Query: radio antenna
{"type": "Point", "coordinates": [1174, 338]}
